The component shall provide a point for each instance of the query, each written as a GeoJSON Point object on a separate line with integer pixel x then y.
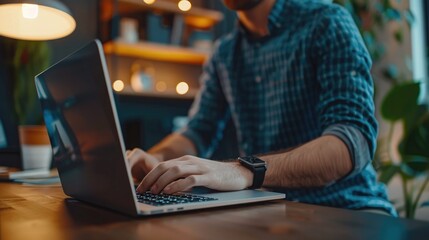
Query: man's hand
{"type": "Point", "coordinates": [183, 173]}
{"type": "Point", "coordinates": [141, 163]}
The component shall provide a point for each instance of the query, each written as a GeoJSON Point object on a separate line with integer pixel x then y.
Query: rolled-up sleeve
{"type": "Point", "coordinates": [356, 144]}
{"type": "Point", "coordinates": [346, 106]}
{"type": "Point", "coordinates": [209, 112]}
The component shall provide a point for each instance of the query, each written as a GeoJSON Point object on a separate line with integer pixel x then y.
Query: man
{"type": "Point", "coordinates": [293, 74]}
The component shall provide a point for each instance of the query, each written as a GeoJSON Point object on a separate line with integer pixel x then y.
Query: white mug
{"type": "Point", "coordinates": [36, 149]}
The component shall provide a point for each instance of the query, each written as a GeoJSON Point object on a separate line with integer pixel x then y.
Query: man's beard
{"type": "Point", "coordinates": [241, 4]}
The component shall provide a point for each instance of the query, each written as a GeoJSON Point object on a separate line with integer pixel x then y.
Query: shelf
{"type": "Point", "coordinates": [165, 95]}
{"type": "Point", "coordinates": [196, 17]}
{"type": "Point", "coordinates": [156, 51]}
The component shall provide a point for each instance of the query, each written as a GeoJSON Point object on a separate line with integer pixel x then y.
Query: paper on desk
{"type": "Point", "coordinates": [38, 181]}
{"type": "Point", "coordinates": [35, 173]}
{"type": "Point", "coordinates": [33, 177]}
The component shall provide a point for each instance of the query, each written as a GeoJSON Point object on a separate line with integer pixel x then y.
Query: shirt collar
{"type": "Point", "coordinates": [275, 18]}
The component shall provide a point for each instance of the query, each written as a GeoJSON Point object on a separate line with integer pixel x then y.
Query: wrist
{"type": "Point", "coordinates": [245, 174]}
{"type": "Point", "coordinates": [257, 166]}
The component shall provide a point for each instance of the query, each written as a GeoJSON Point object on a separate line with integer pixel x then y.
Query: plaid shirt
{"type": "Point", "coordinates": [309, 77]}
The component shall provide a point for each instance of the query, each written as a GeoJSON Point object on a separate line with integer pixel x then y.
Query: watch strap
{"type": "Point", "coordinates": [258, 171]}
{"type": "Point", "coordinates": [258, 177]}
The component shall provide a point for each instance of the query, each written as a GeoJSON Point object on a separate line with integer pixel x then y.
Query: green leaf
{"type": "Point", "coordinates": [416, 141]}
{"type": "Point", "coordinates": [412, 121]}
{"type": "Point", "coordinates": [399, 35]}
{"type": "Point", "coordinates": [400, 101]}
{"type": "Point", "coordinates": [425, 204]}
{"type": "Point", "coordinates": [413, 166]}
{"type": "Point", "coordinates": [387, 172]}
{"type": "Point", "coordinates": [386, 4]}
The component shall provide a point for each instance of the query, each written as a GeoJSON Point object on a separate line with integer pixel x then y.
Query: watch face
{"type": "Point", "coordinates": [254, 161]}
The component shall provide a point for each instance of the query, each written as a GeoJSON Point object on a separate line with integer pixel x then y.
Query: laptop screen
{"type": "Point", "coordinates": [80, 116]}
{"type": "Point", "coordinates": [77, 110]}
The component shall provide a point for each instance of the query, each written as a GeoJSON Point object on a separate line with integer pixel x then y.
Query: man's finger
{"type": "Point", "coordinates": [134, 157]}
{"type": "Point", "coordinates": [184, 184]}
{"type": "Point", "coordinates": [152, 176]}
{"type": "Point", "coordinates": [174, 173]}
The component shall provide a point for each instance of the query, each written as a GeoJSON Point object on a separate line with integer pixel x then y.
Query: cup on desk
{"type": "Point", "coordinates": [35, 147]}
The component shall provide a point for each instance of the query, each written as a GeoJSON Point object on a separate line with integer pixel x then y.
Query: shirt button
{"type": "Point", "coordinates": [261, 126]}
{"type": "Point", "coordinates": [353, 73]}
{"type": "Point", "coordinates": [258, 79]}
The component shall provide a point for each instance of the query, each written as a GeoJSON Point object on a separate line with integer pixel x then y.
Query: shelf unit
{"type": "Point", "coordinates": [156, 51]}
{"type": "Point", "coordinates": [165, 95]}
{"type": "Point", "coordinates": [172, 63]}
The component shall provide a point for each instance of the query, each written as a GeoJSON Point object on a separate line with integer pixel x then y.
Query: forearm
{"type": "Point", "coordinates": [173, 146]}
{"type": "Point", "coordinates": [314, 164]}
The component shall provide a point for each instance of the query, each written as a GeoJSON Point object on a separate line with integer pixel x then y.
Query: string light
{"type": "Point", "coordinates": [149, 1]}
{"type": "Point", "coordinates": [184, 5]}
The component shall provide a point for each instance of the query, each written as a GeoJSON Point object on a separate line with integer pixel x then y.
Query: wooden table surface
{"type": "Point", "coordinates": [44, 212]}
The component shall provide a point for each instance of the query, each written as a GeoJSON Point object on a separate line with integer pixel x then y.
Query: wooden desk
{"type": "Point", "coordinates": [29, 212]}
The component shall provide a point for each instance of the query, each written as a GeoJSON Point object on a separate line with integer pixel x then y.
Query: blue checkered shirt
{"type": "Point", "coordinates": [309, 77]}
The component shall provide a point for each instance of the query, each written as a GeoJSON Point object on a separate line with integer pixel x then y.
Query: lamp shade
{"type": "Point", "coordinates": [35, 19]}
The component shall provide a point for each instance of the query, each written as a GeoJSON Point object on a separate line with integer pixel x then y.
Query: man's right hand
{"type": "Point", "coordinates": [141, 163]}
{"type": "Point", "coordinates": [173, 146]}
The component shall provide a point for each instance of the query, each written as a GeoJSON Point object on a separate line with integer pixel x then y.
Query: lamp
{"type": "Point", "coordinates": [35, 19]}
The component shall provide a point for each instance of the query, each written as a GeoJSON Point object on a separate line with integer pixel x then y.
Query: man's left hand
{"type": "Point", "coordinates": [183, 173]}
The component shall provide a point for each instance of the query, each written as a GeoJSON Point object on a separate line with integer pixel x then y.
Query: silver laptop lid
{"type": "Point", "coordinates": [80, 115]}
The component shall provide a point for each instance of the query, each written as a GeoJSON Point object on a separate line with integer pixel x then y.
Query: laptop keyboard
{"type": "Point", "coordinates": [170, 199]}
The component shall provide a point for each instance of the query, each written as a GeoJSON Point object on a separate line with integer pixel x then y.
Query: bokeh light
{"type": "Point", "coordinates": [182, 88]}
{"type": "Point", "coordinates": [184, 5]}
{"type": "Point", "coordinates": [118, 85]}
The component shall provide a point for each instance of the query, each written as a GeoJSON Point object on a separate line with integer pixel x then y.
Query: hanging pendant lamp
{"type": "Point", "coordinates": [35, 19]}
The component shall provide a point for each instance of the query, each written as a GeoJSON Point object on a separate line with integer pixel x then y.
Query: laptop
{"type": "Point", "coordinates": [88, 149]}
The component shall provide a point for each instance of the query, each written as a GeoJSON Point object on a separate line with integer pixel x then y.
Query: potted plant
{"type": "Point", "coordinates": [30, 58]}
{"type": "Point", "coordinates": [401, 104]}
{"type": "Point", "coordinates": [26, 59]}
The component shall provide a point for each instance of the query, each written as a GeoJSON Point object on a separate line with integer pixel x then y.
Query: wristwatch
{"type": "Point", "coordinates": [257, 166]}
